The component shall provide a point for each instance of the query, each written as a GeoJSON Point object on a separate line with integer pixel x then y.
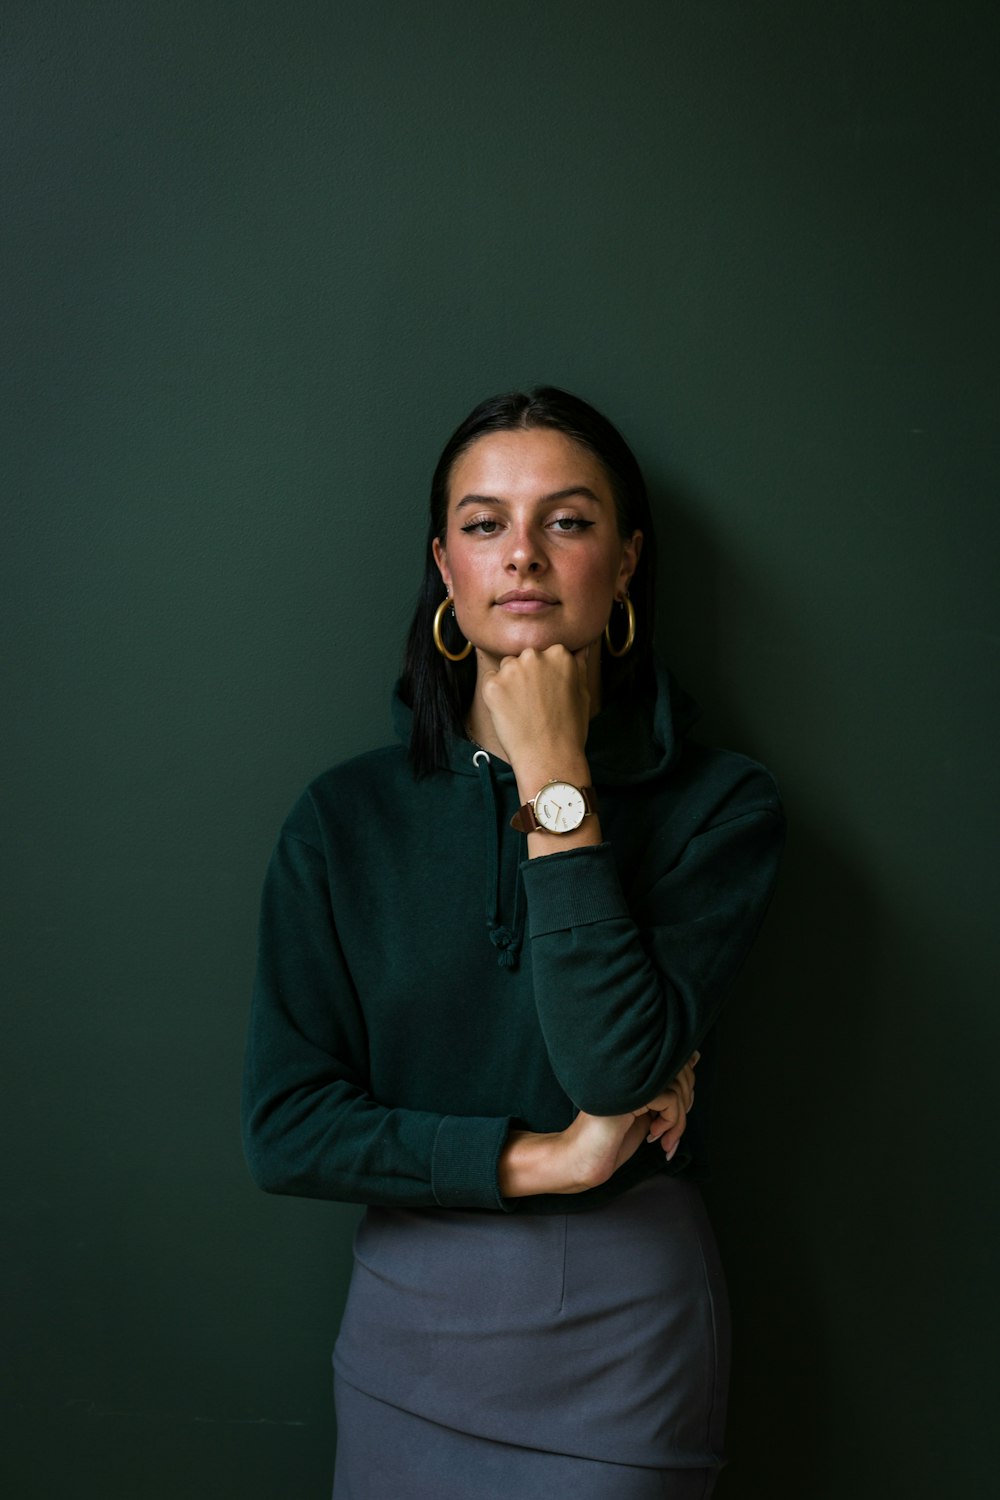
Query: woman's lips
{"type": "Point", "coordinates": [517, 603]}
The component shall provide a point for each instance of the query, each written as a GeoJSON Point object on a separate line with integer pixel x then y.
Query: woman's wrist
{"type": "Point", "coordinates": [534, 1162]}
{"type": "Point", "coordinates": [534, 771]}
{"type": "Point", "coordinates": [532, 774]}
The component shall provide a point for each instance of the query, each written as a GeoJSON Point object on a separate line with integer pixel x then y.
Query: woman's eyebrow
{"type": "Point", "coordinates": [576, 489]}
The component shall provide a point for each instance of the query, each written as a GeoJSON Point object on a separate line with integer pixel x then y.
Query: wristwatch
{"type": "Point", "coordinates": [560, 807]}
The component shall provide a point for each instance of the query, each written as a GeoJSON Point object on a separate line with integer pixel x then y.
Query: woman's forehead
{"type": "Point", "coordinates": [526, 463]}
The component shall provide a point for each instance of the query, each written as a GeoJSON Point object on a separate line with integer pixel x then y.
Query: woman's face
{"type": "Point", "coordinates": [532, 555]}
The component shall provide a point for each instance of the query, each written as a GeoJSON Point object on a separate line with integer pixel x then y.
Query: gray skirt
{"type": "Point", "coordinates": [600, 1337]}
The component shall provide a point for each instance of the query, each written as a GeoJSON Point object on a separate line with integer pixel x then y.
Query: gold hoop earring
{"type": "Point", "coordinates": [629, 607]}
{"type": "Point", "coordinates": [447, 603]}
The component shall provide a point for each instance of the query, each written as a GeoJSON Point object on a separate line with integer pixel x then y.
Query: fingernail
{"type": "Point", "coordinates": [673, 1151]}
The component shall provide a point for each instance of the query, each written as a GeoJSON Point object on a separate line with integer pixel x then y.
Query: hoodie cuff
{"type": "Point", "coordinates": [465, 1162]}
{"type": "Point", "coordinates": [572, 889]}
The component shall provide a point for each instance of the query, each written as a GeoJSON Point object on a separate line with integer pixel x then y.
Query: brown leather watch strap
{"type": "Point", "coordinates": [524, 819]}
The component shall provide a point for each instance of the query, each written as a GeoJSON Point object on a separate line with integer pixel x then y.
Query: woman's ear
{"type": "Point", "coordinates": [441, 559]}
{"type": "Point", "coordinates": [631, 551]}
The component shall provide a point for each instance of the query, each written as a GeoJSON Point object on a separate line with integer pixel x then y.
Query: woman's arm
{"type": "Point", "coordinates": [592, 1149]}
{"type": "Point", "coordinates": [583, 1156]}
{"type": "Point", "coordinates": [626, 988]}
{"type": "Point", "coordinates": [311, 1125]}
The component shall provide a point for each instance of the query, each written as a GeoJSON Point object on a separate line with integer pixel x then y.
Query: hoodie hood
{"type": "Point", "coordinates": [627, 743]}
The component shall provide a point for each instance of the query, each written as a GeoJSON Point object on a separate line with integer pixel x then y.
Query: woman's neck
{"type": "Point", "coordinates": [479, 727]}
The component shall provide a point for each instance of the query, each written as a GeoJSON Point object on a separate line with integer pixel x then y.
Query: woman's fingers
{"type": "Point", "coordinates": [670, 1115]}
{"type": "Point", "coordinates": [683, 1084]}
{"type": "Point", "coordinates": [671, 1138]}
{"type": "Point", "coordinates": [665, 1107]}
{"type": "Point", "coordinates": [670, 1109]}
{"type": "Point", "coordinates": [681, 1091]}
{"type": "Point", "coordinates": [538, 700]}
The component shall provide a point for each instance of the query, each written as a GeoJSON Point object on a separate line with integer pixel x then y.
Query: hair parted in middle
{"type": "Point", "coordinates": [438, 691]}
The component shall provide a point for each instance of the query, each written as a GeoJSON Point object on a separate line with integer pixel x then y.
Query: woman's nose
{"type": "Point", "coordinates": [525, 553]}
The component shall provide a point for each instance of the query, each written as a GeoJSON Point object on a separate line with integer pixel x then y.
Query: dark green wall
{"type": "Point", "coordinates": [258, 259]}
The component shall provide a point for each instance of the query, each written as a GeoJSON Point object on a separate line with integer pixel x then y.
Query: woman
{"type": "Point", "coordinates": [491, 957]}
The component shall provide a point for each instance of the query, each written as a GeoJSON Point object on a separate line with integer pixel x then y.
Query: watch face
{"type": "Point", "coordinates": [559, 807]}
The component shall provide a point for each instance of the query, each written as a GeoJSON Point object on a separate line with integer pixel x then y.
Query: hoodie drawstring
{"type": "Point", "coordinates": [506, 940]}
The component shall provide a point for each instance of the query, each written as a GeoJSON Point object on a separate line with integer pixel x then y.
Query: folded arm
{"type": "Point", "coordinates": [626, 989]}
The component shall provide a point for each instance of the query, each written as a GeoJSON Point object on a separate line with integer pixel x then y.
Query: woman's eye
{"type": "Point", "coordinates": [571, 523]}
{"type": "Point", "coordinates": [486, 526]}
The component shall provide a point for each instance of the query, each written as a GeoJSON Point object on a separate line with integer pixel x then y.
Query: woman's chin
{"type": "Point", "coordinates": [521, 633]}
{"type": "Point", "coordinates": [513, 642]}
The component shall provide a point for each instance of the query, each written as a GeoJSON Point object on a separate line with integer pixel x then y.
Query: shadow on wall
{"type": "Point", "coordinates": [836, 1188]}
{"type": "Point", "coordinates": [837, 1175]}
{"type": "Point", "coordinates": [775, 1062]}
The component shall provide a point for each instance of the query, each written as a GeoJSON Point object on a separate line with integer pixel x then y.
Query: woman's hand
{"type": "Point", "coordinates": [593, 1147]}
{"type": "Point", "coordinates": [670, 1109]}
{"type": "Point", "coordinates": [540, 706]}
{"type": "Point", "coordinates": [597, 1145]}
{"type": "Point", "coordinates": [582, 1156]}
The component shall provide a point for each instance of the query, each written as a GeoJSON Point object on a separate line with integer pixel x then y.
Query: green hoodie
{"type": "Point", "coordinates": [422, 987]}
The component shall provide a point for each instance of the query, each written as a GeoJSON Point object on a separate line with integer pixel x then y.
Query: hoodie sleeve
{"type": "Point", "coordinates": [626, 989]}
{"type": "Point", "coordinates": [310, 1124]}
